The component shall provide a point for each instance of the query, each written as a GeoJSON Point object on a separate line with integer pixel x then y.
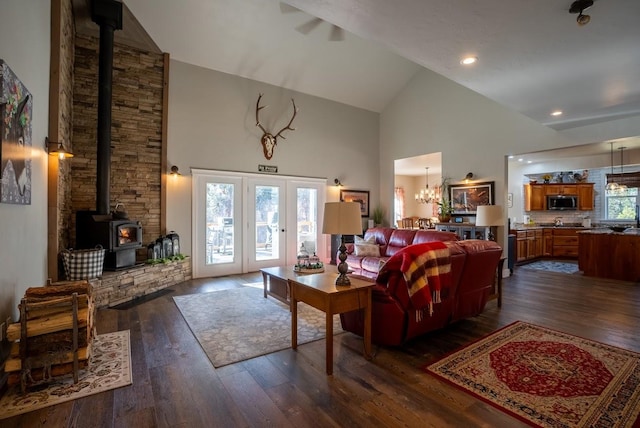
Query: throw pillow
{"type": "Point", "coordinates": [366, 247]}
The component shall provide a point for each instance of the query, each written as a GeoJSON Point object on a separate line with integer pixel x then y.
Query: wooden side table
{"type": "Point", "coordinates": [321, 292]}
{"type": "Point", "coordinates": [498, 283]}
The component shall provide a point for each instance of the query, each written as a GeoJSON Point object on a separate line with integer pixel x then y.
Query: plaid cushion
{"type": "Point", "coordinates": [83, 264]}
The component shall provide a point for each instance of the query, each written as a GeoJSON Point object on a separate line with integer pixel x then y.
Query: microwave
{"type": "Point", "coordinates": [562, 202]}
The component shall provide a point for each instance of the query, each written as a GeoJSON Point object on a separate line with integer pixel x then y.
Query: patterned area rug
{"type": "Point", "coordinates": [237, 324]}
{"type": "Point", "coordinates": [109, 368]}
{"type": "Point", "coordinates": [553, 266]}
{"type": "Point", "coordinates": [548, 378]}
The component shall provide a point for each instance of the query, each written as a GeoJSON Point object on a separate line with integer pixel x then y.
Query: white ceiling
{"type": "Point", "coordinates": [533, 57]}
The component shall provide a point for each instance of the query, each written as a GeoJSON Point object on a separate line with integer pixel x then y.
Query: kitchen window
{"type": "Point", "coordinates": [622, 205]}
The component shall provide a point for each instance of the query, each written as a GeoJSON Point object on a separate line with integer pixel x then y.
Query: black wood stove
{"type": "Point", "coordinates": [120, 237]}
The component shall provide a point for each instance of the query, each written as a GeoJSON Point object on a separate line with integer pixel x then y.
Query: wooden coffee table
{"type": "Point", "coordinates": [275, 281]}
{"type": "Point", "coordinates": [320, 291]}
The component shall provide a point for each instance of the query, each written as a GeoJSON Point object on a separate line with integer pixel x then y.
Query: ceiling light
{"type": "Point", "coordinates": [511, 156]}
{"type": "Point", "coordinates": [578, 7]}
{"type": "Point", "coordinates": [556, 113]}
{"type": "Point", "coordinates": [520, 160]}
{"type": "Point", "coordinates": [469, 60]}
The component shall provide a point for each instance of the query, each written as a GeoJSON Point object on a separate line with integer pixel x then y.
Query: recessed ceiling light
{"type": "Point", "coordinates": [528, 161]}
{"type": "Point", "coordinates": [511, 156]}
{"type": "Point", "coordinates": [520, 160]}
{"type": "Point", "coordinates": [556, 113]}
{"type": "Point", "coordinates": [469, 60]}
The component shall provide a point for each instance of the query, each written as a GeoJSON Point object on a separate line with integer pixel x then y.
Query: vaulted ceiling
{"type": "Point", "coordinates": [532, 55]}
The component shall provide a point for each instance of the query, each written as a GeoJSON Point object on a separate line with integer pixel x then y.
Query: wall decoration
{"type": "Point", "coordinates": [466, 198]}
{"type": "Point", "coordinates": [16, 107]}
{"type": "Point", "coordinates": [268, 139]}
{"type": "Point", "coordinates": [360, 196]}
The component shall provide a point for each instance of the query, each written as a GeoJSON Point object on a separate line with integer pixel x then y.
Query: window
{"type": "Point", "coordinates": [622, 205]}
{"type": "Point", "coordinates": [398, 204]}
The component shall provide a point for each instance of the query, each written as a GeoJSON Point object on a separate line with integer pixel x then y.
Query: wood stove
{"type": "Point", "coordinates": [120, 237]}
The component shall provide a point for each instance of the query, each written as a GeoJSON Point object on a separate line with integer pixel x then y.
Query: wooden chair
{"type": "Point", "coordinates": [407, 223]}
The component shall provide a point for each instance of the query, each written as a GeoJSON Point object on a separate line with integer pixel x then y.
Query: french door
{"type": "Point", "coordinates": [244, 222]}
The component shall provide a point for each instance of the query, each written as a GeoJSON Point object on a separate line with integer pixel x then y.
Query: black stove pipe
{"type": "Point", "coordinates": [108, 15]}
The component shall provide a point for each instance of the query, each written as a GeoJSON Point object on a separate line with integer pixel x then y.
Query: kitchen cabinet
{"type": "Point", "coordinates": [565, 242]}
{"type": "Point", "coordinates": [547, 246]}
{"type": "Point", "coordinates": [561, 189]}
{"type": "Point", "coordinates": [535, 195]}
{"type": "Point", "coordinates": [529, 244]}
{"type": "Point", "coordinates": [585, 197]}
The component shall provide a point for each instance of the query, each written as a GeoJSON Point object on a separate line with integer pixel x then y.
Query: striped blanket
{"type": "Point", "coordinates": [426, 269]}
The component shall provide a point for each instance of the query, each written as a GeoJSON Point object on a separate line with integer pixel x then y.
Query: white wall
{"type": "Point", "coordinates": [473, 133]}
{"type": "Point", "coordinates": [212, 126]}
{"type": "Point", "coordinates": [24, 46]}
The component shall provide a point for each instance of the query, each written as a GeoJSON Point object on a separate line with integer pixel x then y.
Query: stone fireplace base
{"type": "Point", "coordinates": [122, 286]}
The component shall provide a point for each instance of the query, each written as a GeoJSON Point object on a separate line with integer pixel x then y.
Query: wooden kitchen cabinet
{"type": "Point", "coordinates": [529, 244]}
{"type": "Point", "coordinates": [561, 189]}
{"type": "Point", "coordinates": [534, 197]}
{"type": "Point", "coordinates": [585, 197]}
{"type": "Point", "coordinates": [547, 246]}
{"type": "Point", "coordinates": [565, 242]}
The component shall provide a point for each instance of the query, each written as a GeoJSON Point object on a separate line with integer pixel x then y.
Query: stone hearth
{"type": "Point", "coordinates": [122, 286]}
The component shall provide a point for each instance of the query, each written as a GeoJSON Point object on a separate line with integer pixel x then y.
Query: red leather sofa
{"type": "Point", "coordinates": [390, 241]}
{"type": "Point", "coordinates": [394, 321]}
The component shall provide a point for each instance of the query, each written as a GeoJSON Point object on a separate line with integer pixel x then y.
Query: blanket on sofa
{"type": "Point", "coordinates": [426, 269]}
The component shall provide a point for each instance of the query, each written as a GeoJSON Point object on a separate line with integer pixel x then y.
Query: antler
{"type": "Point", "coordinates": [258, 108]}
{"type": "Point", "coordinates": [295, 110]}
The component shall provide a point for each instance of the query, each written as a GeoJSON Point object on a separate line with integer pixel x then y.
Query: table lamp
{"type": "Point", "coordinates": [342, 218]}
{"type": "Point", "coordinates": [489, 216]}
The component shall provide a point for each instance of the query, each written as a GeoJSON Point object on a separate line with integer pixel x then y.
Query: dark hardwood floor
{"type": "Point", "coordinates": [175, 385]}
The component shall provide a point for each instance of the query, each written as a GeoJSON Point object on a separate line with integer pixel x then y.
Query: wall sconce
{"type": "Point", "coordinates": [175, 171]}
{"type": "Point", "coordinates": [56, 149]}
{"type": "Point", "coordinates": [468, 177]}
{"type": "Point", "coordinates": [337, 182]}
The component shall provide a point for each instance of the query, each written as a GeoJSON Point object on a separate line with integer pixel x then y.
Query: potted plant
{"type": "Point", "coordinates": [445, 208]}
{"type": "Point", "coordinates": [378, 216]}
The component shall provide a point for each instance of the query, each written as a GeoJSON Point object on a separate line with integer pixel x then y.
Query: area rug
{"type": "Point", "coordinates": [237, 324]}
{"type": "Point", "coordinates": [553, 266]}
{"type": "Point", "coordinates": [548, 378]}
{"type": "Point", "coordinates": [109, 368]}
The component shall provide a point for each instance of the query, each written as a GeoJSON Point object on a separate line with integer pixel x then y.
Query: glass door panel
{"type": "Point", "coordinates": [307, 220]}
{"type": "Point", "coordinates": [267, 231]}
{"type": "Point", "coordinates": [217, 229]}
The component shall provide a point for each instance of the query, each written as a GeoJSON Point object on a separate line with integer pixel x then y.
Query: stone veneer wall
{"type": "Point", "coordinates": [65, 120]}
{"type": "Point", "coordinates": [123, 286]}
{"type": "Point", "coordinates": [136, 133]}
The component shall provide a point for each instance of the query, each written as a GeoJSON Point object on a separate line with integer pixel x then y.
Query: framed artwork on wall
{"type": "Point", "coordinates": [360, 196]}
{"type": "Point", "coordinates": [16, 105]}
{"type": "Point", "coordinates": [465, 198]}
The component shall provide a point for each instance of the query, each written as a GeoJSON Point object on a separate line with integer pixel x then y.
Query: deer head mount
{"type": "Point", "coordinates": [269, 140]}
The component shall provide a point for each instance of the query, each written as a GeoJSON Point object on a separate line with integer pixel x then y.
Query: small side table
{"type": "Point", "coordinates": [321, 292]}
{"type": "Point", "coordinates": [498, 283]}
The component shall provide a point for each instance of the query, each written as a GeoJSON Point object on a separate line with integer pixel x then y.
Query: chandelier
{"type": "Point", "coordinates": [426, 195]}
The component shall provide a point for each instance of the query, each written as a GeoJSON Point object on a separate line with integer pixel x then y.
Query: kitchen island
{"type": "Point", "coordinates": [604, 253]}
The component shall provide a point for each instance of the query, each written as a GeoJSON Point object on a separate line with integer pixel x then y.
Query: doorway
{"type": "Point", "coordinates": [244, 222]}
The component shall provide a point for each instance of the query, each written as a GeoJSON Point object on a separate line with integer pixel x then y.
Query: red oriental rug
{"type": "Point", "coordinates": [548, 378]}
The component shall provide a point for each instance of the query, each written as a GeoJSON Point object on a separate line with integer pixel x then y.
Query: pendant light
{"type": "Point", "coordinates": [611, 186]}
{"type": "Point", "coordinates": [622, 188]}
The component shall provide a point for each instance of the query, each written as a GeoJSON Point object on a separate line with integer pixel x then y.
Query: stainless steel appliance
{"type": "Point", "coordinates": [562, 202]}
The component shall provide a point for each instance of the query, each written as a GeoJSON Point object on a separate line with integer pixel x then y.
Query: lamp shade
{"type": "Point", "coordinates": [489, 215]}
{"type": "Point", "coordinates": [342, 218]}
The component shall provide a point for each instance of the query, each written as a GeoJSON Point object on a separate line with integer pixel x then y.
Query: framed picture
{"type": "Point", "coordinates": [360, 196]}
{"type": "Point", "coordinates": [465, 198]}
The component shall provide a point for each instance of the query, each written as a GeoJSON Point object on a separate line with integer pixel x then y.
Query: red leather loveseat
{"type": "Point", "coordinates": [394, 318]}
